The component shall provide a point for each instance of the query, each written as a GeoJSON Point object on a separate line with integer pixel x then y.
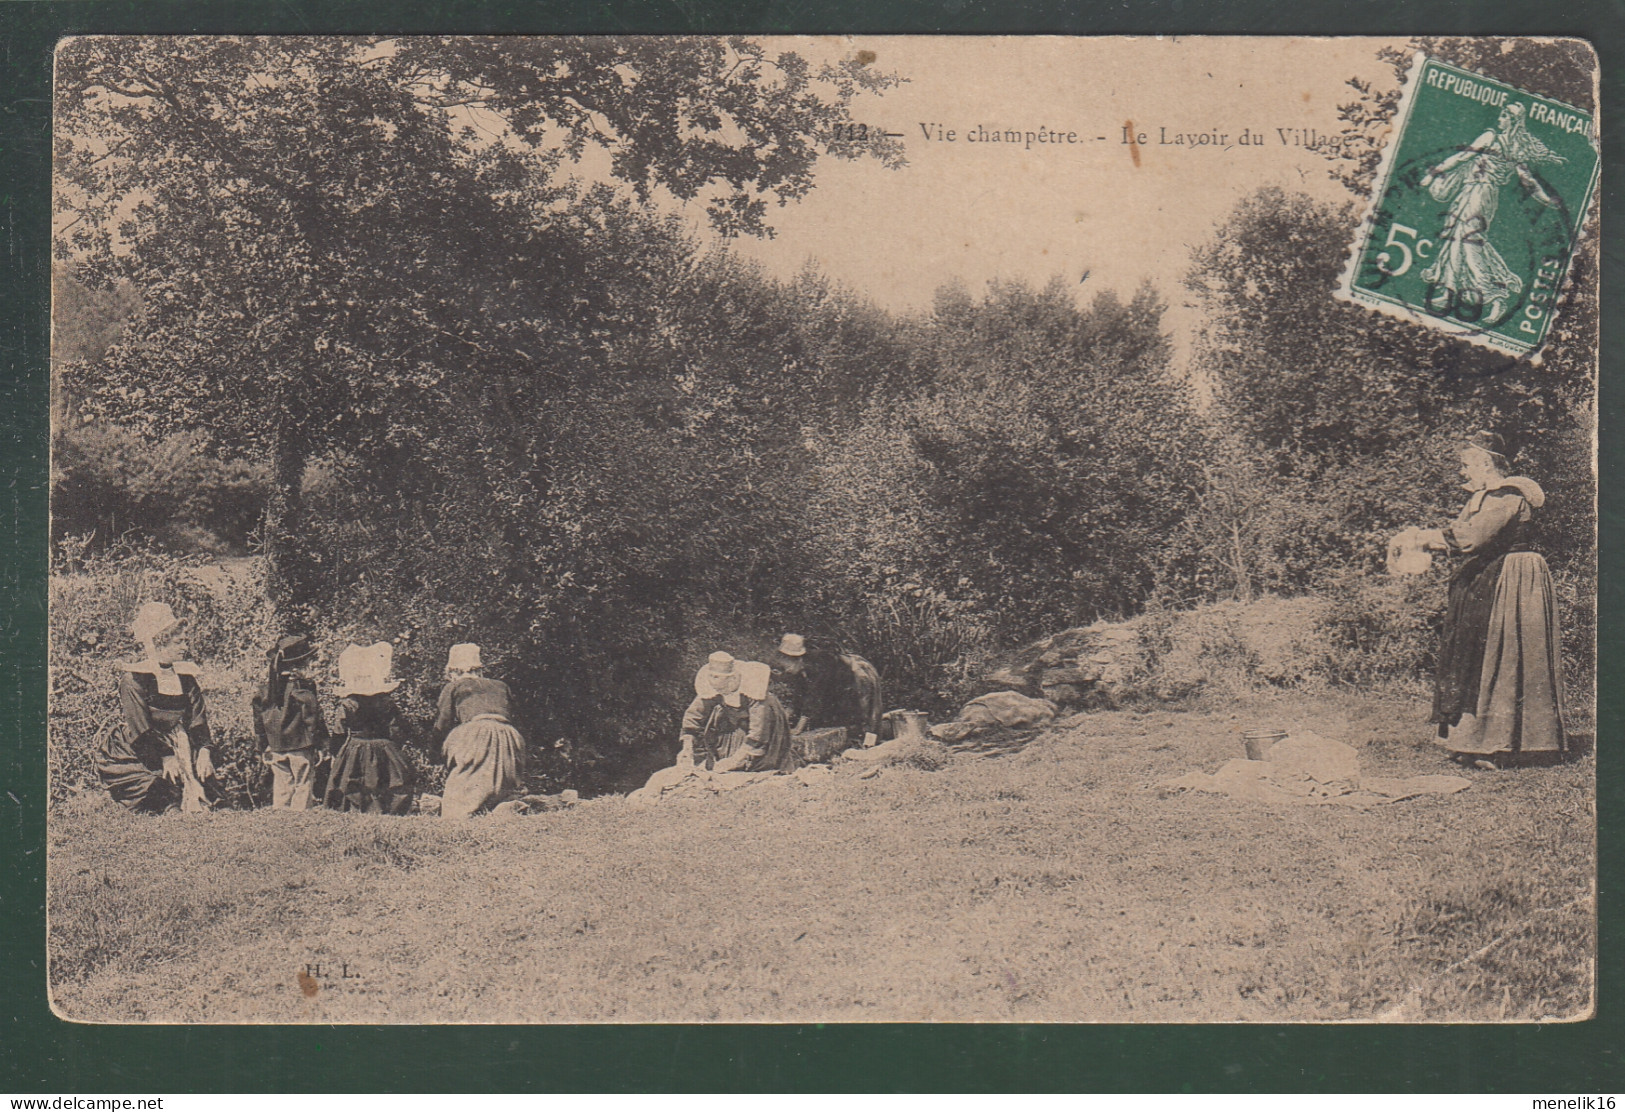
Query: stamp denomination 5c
{"type": "Point", "coordinates": [1481, 194]}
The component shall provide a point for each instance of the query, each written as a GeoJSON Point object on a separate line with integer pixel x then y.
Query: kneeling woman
{"type": "Point", "coordinates": [735, 723]}
{"type": "Point", "coordinates": [370, 773]}
{"type": "Point", "coordinates": [485, 756]}
{"type": "Point", "coordinates": [159, 757]}
{"type": "Point", "coordinates": [1498, 684]}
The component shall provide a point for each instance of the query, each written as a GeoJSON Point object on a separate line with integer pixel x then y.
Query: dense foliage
{"type": "Point", "coordinates": [1031, 484]}
{"type": "Point", "coordinates": [108, 482]}
{"type": "Point", "coordinates": [346, 293]}
{"type": "Point", "coordinates": [1335, 427]}
{"type": "Point", "coordinates": [330, 234]}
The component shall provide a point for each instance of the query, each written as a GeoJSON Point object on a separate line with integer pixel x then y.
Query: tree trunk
{"type": "Point", "coordinates": [1238, 556]}
{"type": "Point", "coordinates": [289, 578]}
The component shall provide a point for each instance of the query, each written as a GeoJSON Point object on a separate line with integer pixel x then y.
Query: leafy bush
{"type": "Point", "coordinates": [109, 482]}
{"type": "Point", "coordinates": [1372, 632]}
{"type": "Point", "coordinates": [1233, 648]}
{"type": "Point", "coordinates": [1334, 428]}
{"type": "Point", "coordinates": [1383, 630]}
{"type": "Point", "coordinates": [1027, 487]}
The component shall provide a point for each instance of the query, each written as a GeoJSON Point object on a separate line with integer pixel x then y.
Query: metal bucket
{"type": "Point", "coordinates": [1258, 742]}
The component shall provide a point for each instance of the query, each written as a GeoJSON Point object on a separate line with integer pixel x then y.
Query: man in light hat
{"type": "Point", "coordinates": [830, 688]}
{"type": "Point", "coordinates": [165, 723]}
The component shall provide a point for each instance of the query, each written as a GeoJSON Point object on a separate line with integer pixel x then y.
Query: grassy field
{"type": "Point", "coordinates": [1052, 884]}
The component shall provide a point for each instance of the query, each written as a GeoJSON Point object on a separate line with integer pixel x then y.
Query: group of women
{"type": "Point", "coordinates": [739, 718]}
{"type": "Point", "coordinates": [161, 756]}
{"type": "Point", "coordinates": [1497, 696]}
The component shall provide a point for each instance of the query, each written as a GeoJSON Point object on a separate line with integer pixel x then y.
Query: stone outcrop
{"type": "Point", "coordinates": [1085, 665]}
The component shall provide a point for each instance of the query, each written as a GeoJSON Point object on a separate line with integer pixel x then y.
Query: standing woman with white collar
{"type": "Point", "coordinates": [1498, 681]}
{"type": "Point", "coordinates": [165, 724]}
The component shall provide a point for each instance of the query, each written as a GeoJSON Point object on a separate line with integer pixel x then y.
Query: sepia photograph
{"type": "Point", "coordinates": [799, 530]}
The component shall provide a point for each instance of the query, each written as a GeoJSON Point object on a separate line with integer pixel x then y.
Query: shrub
{"type": "Point", "coordinates": [1234, 647]}
{"type": "Point", "coordinates": [1383, 630]}
{"type": "Point", "coordinates": [1028, 486]}
{"type": "Point", "coordinates": [110, 481]}
{"type": "Point", "coordinates": [1575, 584]}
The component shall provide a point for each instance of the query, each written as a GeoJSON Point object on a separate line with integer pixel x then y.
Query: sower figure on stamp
{"type": "Point", "coordinates": [1498, 684]}
{"type": "Point", "coordinates": [830, 688]}
{"type": "Point", "coordinates": [1471, 180]}
{"type": "Point", "coordinates": [160, 757]}
{"type": "Point", "coordinates": [289, 725]}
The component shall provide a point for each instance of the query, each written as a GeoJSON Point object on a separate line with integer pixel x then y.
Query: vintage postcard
{"type": "Point", "coordinates": [799, 530]}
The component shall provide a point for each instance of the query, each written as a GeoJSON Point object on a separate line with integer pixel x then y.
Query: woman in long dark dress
{"type": "Point", "coordinates": [1498, 684]}
{"type": "Point", "coordinates": [370, 773]}
{"type": "Point", "coordinates": [165, 722]}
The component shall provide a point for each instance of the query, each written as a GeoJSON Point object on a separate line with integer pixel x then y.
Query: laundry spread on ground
{"type": "Point", "coordinates": [1007, 709]}
{"type": "Point", "coordinates": [1305, 768]}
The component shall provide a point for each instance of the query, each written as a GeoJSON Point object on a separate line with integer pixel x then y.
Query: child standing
{"type": "Point", "coordinates": [370, 774]}
{"type": "Point", "coordinates": [289, 725]}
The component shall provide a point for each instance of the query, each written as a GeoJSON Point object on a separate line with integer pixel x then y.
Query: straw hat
{"type": "Point", "coordinates": [793, 644]}
{"type": "Point", "coordinates": [1487, 441]}
{"type": "Point", "coordinates": [153, 620]}
{"type": "Point", "coordinates": [365, 670]}
{"type": "Point", "coordinates": [463, 658]}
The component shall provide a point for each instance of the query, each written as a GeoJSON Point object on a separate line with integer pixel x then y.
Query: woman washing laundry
{"type": "Point", "coordinates": [734, 722]}
{"type": "Point", "coordinates": [485, 755]}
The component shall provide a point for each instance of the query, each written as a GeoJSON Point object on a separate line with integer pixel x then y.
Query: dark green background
{"type": "Point", "coordinates": [40, 1054]}
{"type": "Point", "coordinates": [1524, 231]}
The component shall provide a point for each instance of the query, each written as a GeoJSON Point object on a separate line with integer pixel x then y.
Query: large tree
{"type": "Point", "coordinates": [339, 240]}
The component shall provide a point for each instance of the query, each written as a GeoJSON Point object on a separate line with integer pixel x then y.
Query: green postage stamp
{"type": "Point", "coordinates": [1479, 199]}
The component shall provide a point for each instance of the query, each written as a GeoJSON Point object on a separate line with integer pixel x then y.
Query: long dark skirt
{"type": "Point", "coordinates": [1517, 699]}
{"type": "Point", "coordinates": [138, 787]}
{"type": "Point", "coordinates": [132, 771]}
{"type": "Point", "coordinates": [370, 774]}
{"type": "Point", "coordinates": [1461, 650]}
